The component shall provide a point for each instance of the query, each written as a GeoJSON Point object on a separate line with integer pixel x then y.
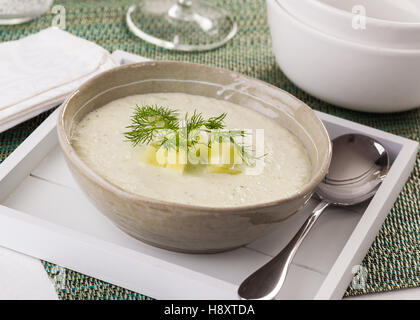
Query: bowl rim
{"type": "Point", "coordinates": [376, 21]}
{"type": "Point", "coordinates": [72, 155]}
{"type": "Point", "coordinates": [345, 42]}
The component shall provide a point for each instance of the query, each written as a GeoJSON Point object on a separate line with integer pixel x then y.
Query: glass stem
{"type": "Point", "coordinates": [185, 3]}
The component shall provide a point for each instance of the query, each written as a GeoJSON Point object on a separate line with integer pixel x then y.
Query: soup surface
{"type": "Point", "coordinates": [99, 140]}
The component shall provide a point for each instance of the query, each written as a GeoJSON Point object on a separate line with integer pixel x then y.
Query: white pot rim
{"type": "Point", "coordinates": [345, 42]}
{"type": "Point", "coordinates": [377, 21]}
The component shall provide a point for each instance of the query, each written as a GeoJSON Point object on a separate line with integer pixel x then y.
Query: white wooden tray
{"type": "Point", "coordinates": [44, 214]}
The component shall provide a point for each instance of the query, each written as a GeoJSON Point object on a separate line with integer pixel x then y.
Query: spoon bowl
{"type": "Point", "coordinates": [358, 166]}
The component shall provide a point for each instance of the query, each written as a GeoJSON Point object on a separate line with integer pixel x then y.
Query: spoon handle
{"type": "Point", "coordinates": [266, 282]}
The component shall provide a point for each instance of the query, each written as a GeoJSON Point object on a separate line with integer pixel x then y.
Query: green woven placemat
{"type": "Point", "coordinates": [392, 262]}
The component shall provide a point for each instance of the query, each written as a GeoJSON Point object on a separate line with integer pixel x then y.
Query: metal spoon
{"type": "Point", "coordinates": [358, 166]}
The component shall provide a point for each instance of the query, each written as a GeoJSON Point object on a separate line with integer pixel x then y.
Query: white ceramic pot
{"type": "Point", "coordinates": [341, 72]}
{"type": "Point", "coordinates": [388, 23]}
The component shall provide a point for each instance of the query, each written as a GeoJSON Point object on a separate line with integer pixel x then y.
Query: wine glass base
{"type": "Point", "coordinates": [13, 21]}
{"type": "Point", "coordinates": [16, 11]}
{"type": "Point", "coordinates": [181, 25]}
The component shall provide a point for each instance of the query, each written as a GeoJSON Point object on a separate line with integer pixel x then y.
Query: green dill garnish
{"type": "Point", "coordinates": [160, 126]}
{"type": "Point", "coordinates": [147, 120]}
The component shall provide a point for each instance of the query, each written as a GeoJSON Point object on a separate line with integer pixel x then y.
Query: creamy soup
{"type": "Point", "coordinates": [99, 140]}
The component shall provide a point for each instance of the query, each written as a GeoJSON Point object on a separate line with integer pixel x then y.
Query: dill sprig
{"type": "Point", "coordinates": [162, 127]}
{"type": "Point", "coordinates": [148, 120]}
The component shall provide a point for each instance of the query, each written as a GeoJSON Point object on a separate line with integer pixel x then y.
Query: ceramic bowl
{"type": "Point", "coordinates": [397, 23]}
{"type": "Point", "coordinates": [181, 227]}
{"type": "Point", "coordinates": [344, 73]}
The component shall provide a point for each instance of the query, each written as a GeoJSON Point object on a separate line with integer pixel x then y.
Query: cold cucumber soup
{"type": "Point", "coordinates": [143, 143]}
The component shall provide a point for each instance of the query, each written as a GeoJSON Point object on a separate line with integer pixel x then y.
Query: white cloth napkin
{"type": "Point", "coordinates": [38, 72]}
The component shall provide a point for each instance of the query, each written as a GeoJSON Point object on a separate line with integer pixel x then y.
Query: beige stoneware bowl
{"type": "Point", "coordinates": [181, 227]}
